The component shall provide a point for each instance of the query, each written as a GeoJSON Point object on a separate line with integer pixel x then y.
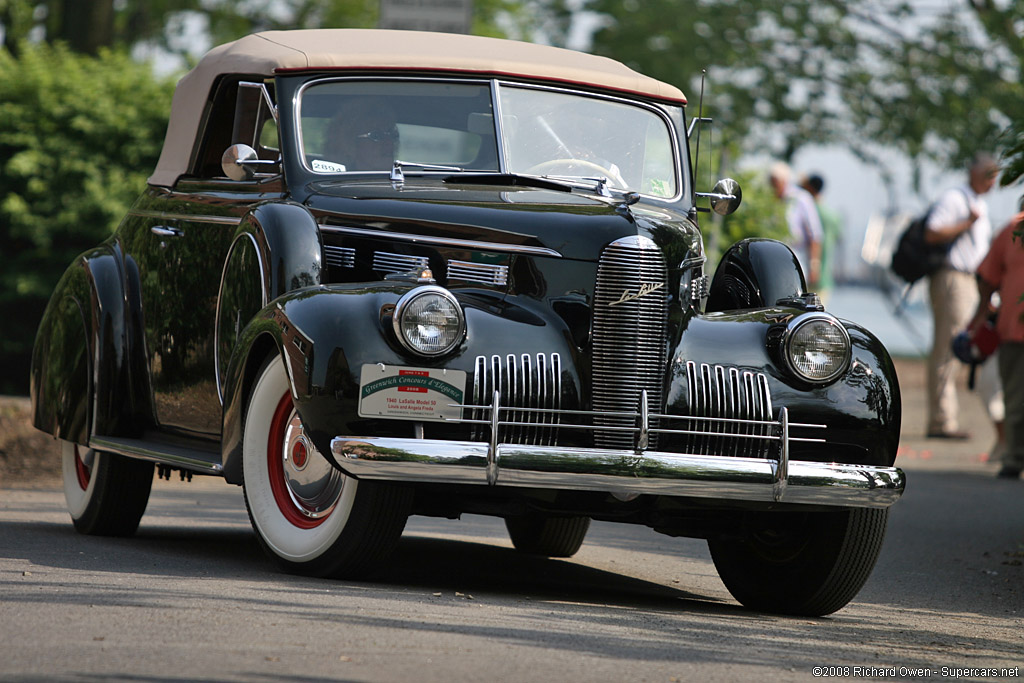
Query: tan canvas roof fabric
{"type": "Point", "coordinates": [274, 51]}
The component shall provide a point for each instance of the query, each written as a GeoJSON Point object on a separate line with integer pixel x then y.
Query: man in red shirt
{"type": "Point", "coordinates": [1002, 270]}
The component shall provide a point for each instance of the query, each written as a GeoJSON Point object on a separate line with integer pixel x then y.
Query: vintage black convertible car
{"type": "Point", "coordinates": [378, 274]}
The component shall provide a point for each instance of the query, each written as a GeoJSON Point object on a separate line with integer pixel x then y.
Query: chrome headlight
{"type": "Point", "coordinates": [816, 347]}
{"type": "Point", "coordinates": [429, 321]}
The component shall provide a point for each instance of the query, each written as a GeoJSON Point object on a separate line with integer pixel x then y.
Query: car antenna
{"type": "Point", "coordinates": [699, 120]}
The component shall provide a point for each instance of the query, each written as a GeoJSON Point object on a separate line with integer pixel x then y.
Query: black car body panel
{"type": "Point", "coordinates": [516, 321]}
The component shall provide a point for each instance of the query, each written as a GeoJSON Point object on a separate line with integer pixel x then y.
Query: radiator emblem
{"type": "Point", "coordinates": [645, 289]}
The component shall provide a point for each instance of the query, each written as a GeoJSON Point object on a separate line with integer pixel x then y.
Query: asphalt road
{"type": "Point", "coordinates": [192, 598]}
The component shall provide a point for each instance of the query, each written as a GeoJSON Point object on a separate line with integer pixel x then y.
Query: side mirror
{"type": "Point", "coordinates": [729, 196]}
{"type": "Point", "coordinates": [725, 197]}
{"type": "Point", "coordinates": [238, 162]}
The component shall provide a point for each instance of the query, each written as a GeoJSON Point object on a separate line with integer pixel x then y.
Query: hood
{"type": "Point", "coordinates": [576, 225]}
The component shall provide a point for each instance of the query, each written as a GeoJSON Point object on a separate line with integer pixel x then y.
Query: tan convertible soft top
{"type": "Point", "coordinates": [272, 52]}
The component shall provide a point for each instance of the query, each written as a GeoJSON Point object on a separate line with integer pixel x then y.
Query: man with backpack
{"type": "Point", "coordinates": [959, 219]}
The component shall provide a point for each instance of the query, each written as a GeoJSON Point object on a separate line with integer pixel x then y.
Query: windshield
{"type": "Point", "coordinates": [571, 135]}
{"type": "Point", "coordinates": [349, 126]}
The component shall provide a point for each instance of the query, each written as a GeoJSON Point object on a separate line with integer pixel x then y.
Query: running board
{"type": "Point", "coordinates": [173, 455]}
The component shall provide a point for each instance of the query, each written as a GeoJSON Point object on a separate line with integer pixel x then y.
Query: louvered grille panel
{"type": "Point", "coordinates": [630, 319]}
{"type": "Point", "coordinates": [484, 273]}
{"type": "Point", "coordinates": [398, 263]}
{"type": "Point", "coordinates": [735, 395]}
{"type": "Point", "coordinates": [340, 257]}
{"type": "Point", "coordinates": [522, 382]}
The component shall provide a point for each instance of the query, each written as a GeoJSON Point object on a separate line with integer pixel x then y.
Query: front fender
{"type": "Point", "coordinates": [861, 409]}
{"type": "Point", "coordinates": [326, 335]}
{"type": "Point", "coordinates": [755, 273]}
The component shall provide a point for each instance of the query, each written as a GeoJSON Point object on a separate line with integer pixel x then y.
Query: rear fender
{"type": "Point", "coordinates": [81, 359]}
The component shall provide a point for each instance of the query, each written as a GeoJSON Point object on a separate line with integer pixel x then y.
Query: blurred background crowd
{"type": "Point", "coordinates": [875, 107]}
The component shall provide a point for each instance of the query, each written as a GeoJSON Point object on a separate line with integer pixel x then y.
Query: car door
{"type": "Point", "coordinates": [179, 239]}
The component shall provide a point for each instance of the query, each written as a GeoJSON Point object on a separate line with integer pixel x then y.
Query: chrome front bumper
{"type": "Point", "coordinates": [621, 472]}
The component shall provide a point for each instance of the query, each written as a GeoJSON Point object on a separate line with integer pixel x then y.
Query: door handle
{"type": "Point", "coordinates": [167, 231]}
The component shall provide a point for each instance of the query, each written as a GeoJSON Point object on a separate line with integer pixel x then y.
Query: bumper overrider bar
{"type": "Point", "coordinates": [637, 471]}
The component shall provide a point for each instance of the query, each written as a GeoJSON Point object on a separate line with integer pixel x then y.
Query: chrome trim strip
{"type": "Point", "coordinates": [144, 450]}
{"type": "Point", "coordinates": [442, 241]}
{"type": "Point", "coordinates": [165, 215]}
{"type": "Point", "coordinates": [782, 466]}
{"type": "Point", "coordinates": [652, 472]}
{"type": "Point", "coordinates": [498, 129]}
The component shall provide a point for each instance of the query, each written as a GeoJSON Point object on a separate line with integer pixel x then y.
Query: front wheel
{"type": "Point", "coordinates": [538, 534]}
{"type": "Point", "coordinates": [310, 517]}
{"type": "Point", "coordinates": [106, 494]}
{"type": "Point", "coordinates": [810, 563]}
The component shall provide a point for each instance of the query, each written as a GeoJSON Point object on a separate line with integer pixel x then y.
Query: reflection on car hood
{"type": "Point", "coordinates": [577, 226]}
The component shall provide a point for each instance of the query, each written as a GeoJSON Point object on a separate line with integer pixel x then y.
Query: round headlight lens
{"type": "Point", "coordinates": [429, 321]}
{"type": "Point", "coordinates": [818, 349]}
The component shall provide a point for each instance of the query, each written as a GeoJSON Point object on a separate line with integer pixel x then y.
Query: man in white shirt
{"type": "Point", "coordinates": [805, 233]}
{"type": "Point", "coordinates": [959, 218]}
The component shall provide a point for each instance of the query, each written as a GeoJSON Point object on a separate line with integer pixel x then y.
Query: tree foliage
{"type": "Point", "coordinates": [938, 82]}
{"type": "Point", "coordinates": [78, 137]}
{"type": "Point", "coordinates": [166, 24]}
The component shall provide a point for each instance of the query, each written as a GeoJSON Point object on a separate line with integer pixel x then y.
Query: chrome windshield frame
{"type": "Point", "coordinates": [640, 104]}
{"type": "Point", "coordinates": [495, 85]}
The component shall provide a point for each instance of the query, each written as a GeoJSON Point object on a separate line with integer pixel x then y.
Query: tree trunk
{"type": "Point", "coordinates": [86, 26]}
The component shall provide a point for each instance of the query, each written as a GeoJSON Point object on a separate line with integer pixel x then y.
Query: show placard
{"type": "Point", "coordinates": [404, 393]}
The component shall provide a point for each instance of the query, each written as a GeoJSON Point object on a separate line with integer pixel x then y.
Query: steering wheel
{"type": "Point", "coordinates": [545, 168]}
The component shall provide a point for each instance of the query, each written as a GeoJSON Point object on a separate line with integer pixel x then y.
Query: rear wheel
{"type": "Point", "coordinates": [808, 564]}
{"type": "Point", "coordinates": [310, 517]}
{"type": "Point", "coordinates": [106, 494]}
{"type": "Point", "coordinates": [539, 534]}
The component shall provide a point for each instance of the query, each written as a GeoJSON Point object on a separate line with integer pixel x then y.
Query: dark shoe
{"type": "Point", "coordinates": [955, 436]}
{"type": "Point", "coordinates": [1008, 472]}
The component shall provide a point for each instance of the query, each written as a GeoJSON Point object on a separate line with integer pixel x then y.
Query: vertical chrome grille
{"type": "Point", "coordinates": [629, 348]}
{"type": "Point", "coordinates": [733, 396]}
{"type": "Point", "coordinates": [523, 382]}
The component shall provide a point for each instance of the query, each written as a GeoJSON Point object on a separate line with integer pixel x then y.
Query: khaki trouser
{"type": "Point", "coordinates": [954, 298]}
{"type": "Point", "coordinates": [1011, 369]}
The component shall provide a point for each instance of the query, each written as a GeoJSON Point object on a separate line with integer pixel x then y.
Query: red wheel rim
{"type": "Point", "coordinates": [275, 469]}
{"type": "Point", "coordinates": [82, 471]}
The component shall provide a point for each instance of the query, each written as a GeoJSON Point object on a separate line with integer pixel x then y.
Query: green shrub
{"type": "Point", "coordinates": [78, 137]}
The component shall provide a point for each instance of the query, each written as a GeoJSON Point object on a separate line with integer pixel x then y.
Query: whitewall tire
{"type": "Point", "coordinates": [309, 516]}
{"type": "Point", "coordinates": [106, 494]}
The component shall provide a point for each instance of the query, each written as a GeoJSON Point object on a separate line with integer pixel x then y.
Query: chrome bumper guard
{"type": "Point", "coordinates": [622, 472]}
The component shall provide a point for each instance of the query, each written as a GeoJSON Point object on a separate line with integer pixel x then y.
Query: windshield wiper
{"type": "Point", "coordinates": [397, 176]}
{"type": "Point", "coordinates": [499, 178]}
{"type": "Point", "coordinates": [600, 187]}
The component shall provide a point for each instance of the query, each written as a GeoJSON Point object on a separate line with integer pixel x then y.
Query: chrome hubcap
{"type": "Point", "coordinates": [313, 485]}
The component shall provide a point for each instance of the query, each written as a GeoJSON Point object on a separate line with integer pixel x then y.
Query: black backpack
{"type": "Point", "coordinates": [914, 258]}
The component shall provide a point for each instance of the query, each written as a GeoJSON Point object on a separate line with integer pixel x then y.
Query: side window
{"type": "Point", "coordinates": [254, 120]}
{"type": "Point", "coordinates": [237, 112]}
